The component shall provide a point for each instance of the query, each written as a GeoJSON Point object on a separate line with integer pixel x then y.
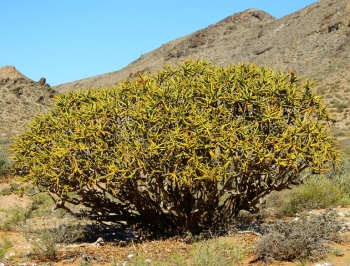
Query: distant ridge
{"type": "Point", "coordinates": [313, 40]}
{"type": "Point", "coordinates": [10, 72]}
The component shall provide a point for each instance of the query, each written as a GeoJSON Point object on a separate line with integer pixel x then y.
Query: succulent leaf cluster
{"type": "Point", "coordinates": [180, 150]}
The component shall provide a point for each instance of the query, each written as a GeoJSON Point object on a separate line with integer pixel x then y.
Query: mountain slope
{"type": "Point", "coordinates": [314, 41]}
{"type": "Point", "coordinates": [21, 100]}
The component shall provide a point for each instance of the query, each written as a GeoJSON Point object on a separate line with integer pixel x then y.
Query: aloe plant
{"type": "Point", "coordinates": [183, 149]}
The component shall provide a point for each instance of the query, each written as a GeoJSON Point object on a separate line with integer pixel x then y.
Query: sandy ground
{"type": "Point", "coordinates": [78, 254]}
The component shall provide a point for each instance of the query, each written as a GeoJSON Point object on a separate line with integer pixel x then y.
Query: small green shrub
{"type": "Point", "coordinates": [45, 240]}
{"type": "Point", "coordinates": [86, 263]}
{"type": "Point", "coordinates": [14, 218]}
{"type": "Point", "coordinates": [9, 190]}
{"type": "Point", "coordinates": [5, 141]}
{"type": "Point", "coordinates": [341, 106]}
{"type": "Point", "coordinates": [339, 134]}
{"type": "Point", "coordinates": [297, 240]}
{"type": "Point", "coordinates": [217, 252]}
{"type": "Point", "coordinates": [140, 260]}
{"type": "Point", "coordinates": [5, 163]}
{"type": "Point", "coordinates": [4, 246]}
{"type": "Point", "coordinates": [6, 191]}
{"type": "Point", "coordinates": [340, 176]}
{"type": "Point", "coordinates": [315, 193]}
{"type": "Point", "coordinates": [337, 252]}
{"type": "Point", "coordinates": [41, 205]}
{"type": "Point", "coordinates": [334, 102]}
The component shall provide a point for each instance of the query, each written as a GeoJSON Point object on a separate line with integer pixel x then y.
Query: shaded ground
{"type": "Point", "coordinates": [119, 247]}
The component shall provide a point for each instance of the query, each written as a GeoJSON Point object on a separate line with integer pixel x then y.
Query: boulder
{"type": "Point", "coordinates": [42, 81]}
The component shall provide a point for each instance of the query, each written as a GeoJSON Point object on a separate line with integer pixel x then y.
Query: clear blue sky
{"type": "Point", "coordinates": [67, 40]}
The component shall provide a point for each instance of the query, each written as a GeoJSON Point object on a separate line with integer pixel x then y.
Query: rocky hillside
{"type": "Point", "coordinates": [315, 41]}
{"type": "Point", "coordinates": [21, 100]}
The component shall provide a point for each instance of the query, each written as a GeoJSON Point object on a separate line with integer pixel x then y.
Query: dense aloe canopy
{"type": "Point", "coordinates": [184, 149]}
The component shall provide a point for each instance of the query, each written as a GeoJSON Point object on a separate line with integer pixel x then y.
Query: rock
{"type": "Point", "coordinates": [18, 91]}
{"type": "Point", "coordinates": [123, 243]}
{"type": "Point", "coordinates": [41, 99]}
{"type": "Point", "coordinates": [341, 214]}
{"type": "Point", "coordinates": [99, 242]}
{"type": "Point", "coordinates": [130, 256]}
{"type": "Point", "coordinates": [42, 81]}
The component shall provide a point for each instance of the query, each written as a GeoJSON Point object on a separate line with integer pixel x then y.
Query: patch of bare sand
{"type": "Point", "coordinates": [12, 200]}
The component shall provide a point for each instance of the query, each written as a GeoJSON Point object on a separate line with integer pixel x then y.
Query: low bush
{"type": "Point", "coordinates": [46, 240]}
{"type": "Point", "coordinates": [333, 189]}
{"type": "Point", "coordinates": [42, 205]}
{"type": "Point", "coordinates": [217, 252]}
{"type": "Point", "coordinates": [5, 163]}
{"type": "Point", "coordinates": [317, 192]}
{"type": "Point", "coordinates": [14, 217]}
{"type": "Point", "coordinates": [340, 176]}
{"type": "Point", "coordinates": [8, 190]}
{"type": "Point", "coordinates": [4, 246]}
{"type": "Point", "coordinates": [303, 239]}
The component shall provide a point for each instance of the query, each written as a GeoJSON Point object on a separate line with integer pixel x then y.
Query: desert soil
{"type": "Point", "coordinates": [80, 253]}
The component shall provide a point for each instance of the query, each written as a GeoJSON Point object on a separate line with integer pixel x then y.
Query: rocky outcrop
{"type": "Point", "coordinates": [21, 100]}
{"type": "Point", "coordinates": [23, 88]}
{"type": "Point", "coordinates": [208, 37]}
{"type": "Point", "coordinates": [42, 81]}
